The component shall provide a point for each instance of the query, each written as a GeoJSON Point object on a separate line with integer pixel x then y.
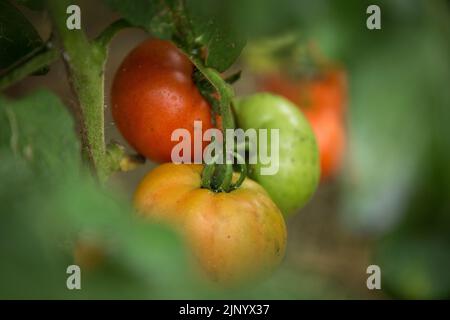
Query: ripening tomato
{"type": "Point", "coordinates": [323, 100]}
{"type": "Point", "coordinates": [153, 94]}
{"type": "Point", "coordinates": [331, 140]}
{"type": "Point", "coordinates": [325, 91]}
{"type": "Point", "coordinates": [235, 236]}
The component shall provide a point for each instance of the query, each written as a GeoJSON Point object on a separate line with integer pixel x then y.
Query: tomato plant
{"type": "Point", "coordinates": [323, 100]}
{"type": "Point", "coordinates": [153, 94]}
{"type": "Point", "coordinates": [230, 222]}
{"type": "Point", "coordinates": [235, 236]}
{"type": "Point", "coordinates": [296, 180]}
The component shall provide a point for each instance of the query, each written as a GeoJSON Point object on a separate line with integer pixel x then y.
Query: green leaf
{"type": "Point", "coordinates": [47, 203]}
{"type": "Point", "coordinates": [40, 223]}
{"type": "Point", "coordinates": [223, 48]}
{"type": "Point", "coordinates": [18, 37]}
{"type": "Point", "coordinates": [198, 21]}
{"type": "Point", "coordinates": [213, 31]}
{"type": "Point", "coordinates": [154, 16]}
{"type": "Point", "coordinates": [40, 130]}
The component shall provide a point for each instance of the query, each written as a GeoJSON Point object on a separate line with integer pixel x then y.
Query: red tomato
{"type": "Point", "coordinates": [331, 140]}
{"type": "Point", "coordinates": [153, 94]}
{"type": "Point", "coordinates": [325, 91]}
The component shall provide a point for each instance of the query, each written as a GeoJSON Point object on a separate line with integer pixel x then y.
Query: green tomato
{"type": "Point", "coordinates": [299, 170]}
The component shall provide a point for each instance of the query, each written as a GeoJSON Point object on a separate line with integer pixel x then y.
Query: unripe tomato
{"type": "Point", "coordinates": [323, 100]}
{"type": "Point", "coordinates": [153, 94]}
{"type": "Point", "coordinates": [235, 236]}
{"type": "Point", "coordinates": [298, 175]}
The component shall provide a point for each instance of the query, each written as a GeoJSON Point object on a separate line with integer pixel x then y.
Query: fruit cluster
{"type": "Point", "coordinates": [234, 235]}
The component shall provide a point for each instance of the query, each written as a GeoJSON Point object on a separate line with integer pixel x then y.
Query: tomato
{"type": "Point", "coordinates": [153, 94]}
{"type": "Point", "coordinates": [323, 100]}
{"type": "Point", "coordinates": [331, 139]}
{"type": "Point", "coordinates": [235, 236]}
{"type": "Point", "coordinates": [298, 175]}
{"type": "Point", "coordinates": [325, 91]}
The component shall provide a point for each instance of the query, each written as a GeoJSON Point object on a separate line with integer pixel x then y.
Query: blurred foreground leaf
{"type": "Point", "coordinates": [47, 202]}
{"type": "Point", "coordinates": [49, 205]}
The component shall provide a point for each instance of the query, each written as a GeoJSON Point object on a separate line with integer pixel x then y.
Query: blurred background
{"type": "Point", "coordinates": [379, 103]}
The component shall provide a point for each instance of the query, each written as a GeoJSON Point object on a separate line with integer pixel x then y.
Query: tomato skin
{"type": "Point", "coordinates": [235, 236]}
{"type": "Point", "coordinates": [323, 100]}
{"type": "Point", "coordinates": [153, 94]}
{"type": "Point", "coordinates": [331, 140]}
{"type": "Point", "coordinates": [298, 173]}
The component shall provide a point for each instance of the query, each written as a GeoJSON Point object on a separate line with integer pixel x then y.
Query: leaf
{"type": "Point", "coordinates": [40, 130]}
{"type": "Point", "coordinates": [168, 19]}
{"type": "Point", "coordinates": [40, 222]}
{"type": "Point", "coordinates": [154, 16]}
{"type": "Point", "coordinates": [213, 30]}
{"type": "Point", "coordinates": [18, 37]}
{"type": "Point", "coordinates": [223, 48]}
{"type": "Point", "coordinates": [47, 202]}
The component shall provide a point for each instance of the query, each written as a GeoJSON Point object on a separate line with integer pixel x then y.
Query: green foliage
{"type": "Point", "coordinates": [212, 29]}
{"type": "Point", "coordinates": [415, 266]}
{"type": "Point", "coordinates": [39, 130]}
{"type": "Point", "coordinates": [191, 25]}
{"type": "Point", "coordinates": [397, 174]}
{"type": "Point", "coordinates": [397, 179]}
{"type": "Point", "coordinates": [47, 202]}
{"type": "Point", "coordinates": [18, 37]}
{"type": "Point", "coordinates": [154, 16]}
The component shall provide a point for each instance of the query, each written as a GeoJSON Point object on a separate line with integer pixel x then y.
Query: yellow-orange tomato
{"type": "Point", "coordinates": [235, 236]}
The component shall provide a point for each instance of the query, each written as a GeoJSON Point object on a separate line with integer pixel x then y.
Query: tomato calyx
{"type": "Point", "coordinates": [221, 180]}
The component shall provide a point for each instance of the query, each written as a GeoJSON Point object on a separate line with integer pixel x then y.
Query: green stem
{"type": "Point", "coordinates": [35, 63]}
{"type": "Point", "coordinates": [216, 177]}
{"type": "Point", "coordinates": [224, 172]}
{"type": "Point", "coordinates": [106, 36]}
{"type": "Point", "coordinates": [85, 61]}
{"type": "Point", "coordinates": [225, 91]}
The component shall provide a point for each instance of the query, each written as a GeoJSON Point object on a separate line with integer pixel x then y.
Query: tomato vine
{"type": "Point", "coordinates": [85, 60]}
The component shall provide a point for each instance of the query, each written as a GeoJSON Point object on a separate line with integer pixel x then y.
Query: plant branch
{"type": "Point", "coordinates": [85, 61]}
{"type": "Point", "coordinates": [33, 64]}
{"type": "Point", "coordinates": [103, 40]}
